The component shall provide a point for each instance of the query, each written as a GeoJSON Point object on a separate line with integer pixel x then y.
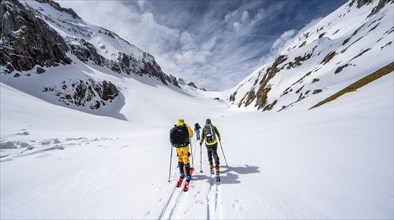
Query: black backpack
{"type": "Point", "coordinates": [210, 133]}
{"type": "Point", "coordinates": [179, 136]}
{"type": "Point", "coordinates": [197, 126]}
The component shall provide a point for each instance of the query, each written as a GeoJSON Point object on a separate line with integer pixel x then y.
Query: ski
{"type": "Point", "coordinates": [186, 186]}
{"type": "Point", "coordinates": [217, 178]}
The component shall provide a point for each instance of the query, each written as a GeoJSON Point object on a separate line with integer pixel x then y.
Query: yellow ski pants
{"type": "Point", "coordinates": [183, 154]}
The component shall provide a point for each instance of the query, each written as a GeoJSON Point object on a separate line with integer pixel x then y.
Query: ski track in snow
{"type": "Point", "coordinates": [164, 209]}
{"type": "Point", "coordinates": [174, 205]}
{"type": "Point", "coordinates": [207, 195]}
{"type": "Point", "coordinates": [214, 199]}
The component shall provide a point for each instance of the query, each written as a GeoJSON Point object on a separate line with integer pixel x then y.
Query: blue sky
{"type": "Point", "coordinates": [215, 44]}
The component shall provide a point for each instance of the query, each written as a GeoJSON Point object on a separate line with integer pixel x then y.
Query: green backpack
{"type": "Point", "coordinates": [210, 134]}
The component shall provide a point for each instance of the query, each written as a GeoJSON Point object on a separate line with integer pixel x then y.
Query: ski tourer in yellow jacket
{"type": "Point", "coordinates": [183, 154]}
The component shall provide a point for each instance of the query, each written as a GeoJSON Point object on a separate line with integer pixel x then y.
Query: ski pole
{"type": "Point", "coordinates": [223, 152]}
{"type": "Point", "coordinates": [169, 173]}
{"type": "Point", "coordinates": [200, 158]}
{"type": "Point", "coordinates": [191, 152]}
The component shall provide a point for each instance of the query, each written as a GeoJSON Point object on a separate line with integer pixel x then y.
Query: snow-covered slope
{"type": "Point", "coordinates": [350, 43]}
{"type": "Point", "coordinates": [334, 162]}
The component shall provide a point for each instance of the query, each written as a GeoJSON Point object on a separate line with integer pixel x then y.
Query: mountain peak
{"type": "Point", "coordinates": [360, 3]}
{"type": "Point", "coordinates": [59, 8]}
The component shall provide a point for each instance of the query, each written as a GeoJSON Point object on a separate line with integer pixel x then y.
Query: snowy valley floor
{"type": "Point", "coordinates": [334, 162]}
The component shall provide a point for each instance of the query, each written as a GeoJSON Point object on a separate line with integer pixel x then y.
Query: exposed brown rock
{"type": "Point", "coordinates": [328, 57]}
{"type": "Point", "coordinates": [262, 93]}
{"type": "Point", "coordinates": [339, 69]}
{"type": "Point", "coordinates": [40, 70]}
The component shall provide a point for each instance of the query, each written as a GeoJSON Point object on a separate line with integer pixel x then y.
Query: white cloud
{"type": "Point", "coordinates": [191, 57]}
{"type": "Point", "coordinates": [245, 17]}
{"type": "Point", "coordinates": [141, 4]}
{"type": "Point", "coordinates": [243, 22]}
{"type": "Point", "coordinates": [187, 41]}
{"type": "Point", "coordinates": [237, 26]}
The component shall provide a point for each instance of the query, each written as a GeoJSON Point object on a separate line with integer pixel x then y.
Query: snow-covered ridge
{"type": "Point", "coordinates": [92, 43]}
{"type": "Point", "coordinates": [337, 51]}
{"type": "Point", "coordinates": [73, 29]}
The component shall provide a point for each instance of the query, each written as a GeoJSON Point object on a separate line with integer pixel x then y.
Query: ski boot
{"type": "Point", "coordinates": [181, 175]}
{"type": "Point", "coordinates": [211, 168]}
{"type": "Point", "coordinates": [188, 175]}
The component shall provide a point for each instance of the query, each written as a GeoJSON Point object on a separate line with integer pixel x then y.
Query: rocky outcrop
{"type": "Point", "coordinates": [59, 8]}
{"type": "Point", "coordinates": [150, 67]}
{"type": "Point", "coordinates": [262, 93]}
{"type": "Point", "coordinates": [380, 5]}
{"type": "Point", "coordinates": [261, 96]}
{"type": "Point", "coordinates": [192, 85]}
{"type": "Point", "coordinates": [108, 92]}
{"type": "Point", "coordinates": [27, 41]}
{"type": "Point", "coordinates": [328, 57]}
{"type": "Point", "coordinates": [87, 93]}
{"type": "Point", "coordinates": [360, 3]}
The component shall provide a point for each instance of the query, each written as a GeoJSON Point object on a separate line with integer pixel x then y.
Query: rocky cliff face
{"type": "Point", "coordinates": [27, 41]}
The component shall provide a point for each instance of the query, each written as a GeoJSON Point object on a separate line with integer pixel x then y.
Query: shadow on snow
{"type": "Point", "coordinates": [229, 174]}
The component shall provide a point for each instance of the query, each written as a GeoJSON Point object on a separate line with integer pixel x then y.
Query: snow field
{"type": "Point", "coordinates": [335, 161]}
